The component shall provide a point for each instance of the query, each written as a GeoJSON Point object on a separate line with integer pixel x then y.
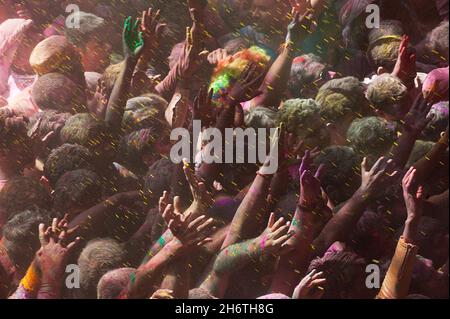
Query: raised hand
{"type": "Point", "coordinates": [405, 67]}
{"type": "Point", "coordinates": [310, 190]}
{"type": "Point", "coordinates": [193, 54]}
{"type": "Point", "coordinates": [202, 109]}
{"type": "Point", "coordinates": [54, 253]}
{"type": "Point", "coordinates": [311, 286]}
{"type": "Point", "coordinates": [413, 195]}
{"type": "Point", "coordinates": [152, 31]}
{"type": "Point", "coordinates": [101, 96]}
{"type": "Point", "coordinates": [274, 236]}
{"type": "Point", "coordinates": [133, 39]}
{"type": "Point", "coordinates": [163, 202]}
{"type": "Point", "coordinates": [374, 180]}
{"type": "Point", "coordinates": [416, 119]}
{"type": "Point", "coordinates": [217, 56]}
{"type": "Point", "coordinates": [246, 87]}
{"type": "Point", "coordinates": [300, 27]}
{"type": "Point", "coordinates": [189, 233]}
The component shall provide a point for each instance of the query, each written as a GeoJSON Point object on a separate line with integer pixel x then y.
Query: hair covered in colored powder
{"type": "Point", "coordinates": [229, 70]}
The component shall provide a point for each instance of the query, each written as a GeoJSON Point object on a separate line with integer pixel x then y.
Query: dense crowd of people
{"type": "Point", "coordinates": [93, 204]}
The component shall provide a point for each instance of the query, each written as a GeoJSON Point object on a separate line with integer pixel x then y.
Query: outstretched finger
{"type": "Point", "coordinates": [42, 237]}
{"type": "Point", "coordinates": [271, 220]}
{"type": "Point", "coordinates": [278, 224]}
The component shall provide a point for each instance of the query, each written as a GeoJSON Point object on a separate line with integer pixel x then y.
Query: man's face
{"type": "Point", "coordinates": [269, 15]}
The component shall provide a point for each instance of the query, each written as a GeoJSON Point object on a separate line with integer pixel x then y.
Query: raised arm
{"type": "Point", "coordinates": [177, 278]}
{"type": "Point", "coordinates": [310, 216]}
{"type": "Point", "coordinates": [252, 213]}
{"type": "Point", "coordinates": [398, 278]}
{"type": "Point", "coordinates": [276, 80]}
{"type": "Point", "coordinates": [188, 234]}
{"type": "Point", "coordinates": [53, 257]}
{"type": "Point", "coordinates": [152, 31]}
{"type": "Point", "coordinates": [236, 256]}
{"type": "Point", "coordinates": [433, 159]}
{"type": "Point", "coordinates": [413, 124]}
{"type": "Point", "coordinates": [133, 46]}
{"type": "Point", "coordinates": [191, 56]}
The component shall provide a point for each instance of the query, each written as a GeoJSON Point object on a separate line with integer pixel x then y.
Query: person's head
{"type": "Point", "coordinates": [235, 45]}
{"type": "Point", "coordinates": [270, 16]}
{"type": "Point", "coordinates": [261, 117]}
{"type": "Point", "coordinates": [427, 280]}
{"type": "Point", "coordinates": [229, 70]}
{"type": "Point", "coordinates": [438, 123]}
{"type": "Point", "coordinates": [76, 191]}
{"type": "Point", "coordinates": [420, 149]}
{"type": "Point", "coordinates": [308, 74]}
{"type": "Point", "coordinates": [384, 43]}
{"type": "Point", "coordinates": [340, 102]}
{"type": "Point", "coordinates": [54, 91]}
{"type": "Point", "coordinates": [22, 193]}
{"type": "Point", "coordinates": [371, 137]}
{"type": "Point", "coordinates": [138, 150]}
{"type": "Point", "coordinates": [340, 178]}
{"type": "Point", "coordinates": [114, 282]}
{"type": "Point", "coordinates": [352, 17]}
{"type": "Point", "coordinates": [66, 158]}
{"type": "Point", "coordinates": [372, 236]}
{"type": "Point", "coordinates": [44, 123]}
{"type": "Point", "coordinates": [90, 39]}
{"type": "Point", "coordinates": [56, 54]}
{"type": "Point", "coordinates": [389, 96]}
{"type": "Point", "coordinates": [438, 41]}
{"type": "Point", "coordinates": [91, 132]}
{"type": "Point", "coordinates": [432, 239]}
{"type": "Point", "coordinates": [97, 258]}
{"type": "Point", "coordinates": [344, 273]}
{"type": "Point", "coordinates": [436, 85]}
{"type": "Point", "coordinates": [145, 112]}
{"type": "Point", "coordinates": [302, 118]}
{"type": "Point", "coordinates": [20, 236]}
{"type": "Point", "coordinates": [16, 147]}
